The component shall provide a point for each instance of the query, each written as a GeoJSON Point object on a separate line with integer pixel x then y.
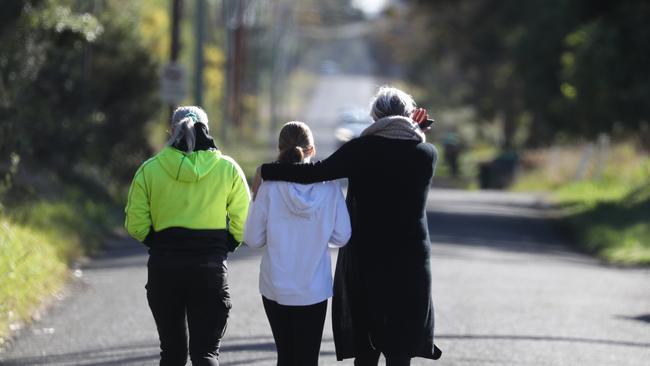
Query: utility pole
{"type": "Point", "coordinates": [199, 20]}
{"type": "Point", "coordinates": [233, 16]}
{"type": "Point", "coordinates": [282, 22]}
{"type": "Point", "coordinates": [177, 8]}
{"type": "Point", "coordinates": [239, 63]}
{"type": "Point", "coordinates": [225, 15]}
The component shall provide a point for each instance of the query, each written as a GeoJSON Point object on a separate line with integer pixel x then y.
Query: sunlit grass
{"type": "Point", "coordinates": [32, 267]}
{"type": "Point", "coordinates": [83, 223]}
{"type": "Point", "coordinates": [625, 245]}
{"type": "Point", "coordinates": [608, 211]}
{"type": "Point", "coordinates": [38, 242]}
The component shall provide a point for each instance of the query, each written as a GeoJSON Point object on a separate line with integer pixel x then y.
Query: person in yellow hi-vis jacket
{"type": "Point", "coordinates": [188, 205]}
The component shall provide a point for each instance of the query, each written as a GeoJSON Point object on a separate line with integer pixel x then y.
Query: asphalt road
{"type": "Point", "coordinates": [506, 289]}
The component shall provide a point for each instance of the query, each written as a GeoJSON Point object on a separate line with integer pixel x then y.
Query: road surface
{"type": "Point", "coordinates": [506, 290]}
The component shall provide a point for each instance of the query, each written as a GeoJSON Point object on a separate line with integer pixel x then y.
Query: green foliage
{"type": "Point", "coordinates": [154, 24]}
{"type": "Point", "coordinates": [604, 65]}
{"type": "Point", "coordinates": [576, 68]}
{"type": "Point", "coordinates": [76, 89]}
{"type": "Point", "coordinates": [618, 230]}
{"type": "Point", "coordinates": [84, 222]}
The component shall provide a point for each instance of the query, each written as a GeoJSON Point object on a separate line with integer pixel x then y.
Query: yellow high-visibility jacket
{"type": "Point", "coordinates": [198, 199]}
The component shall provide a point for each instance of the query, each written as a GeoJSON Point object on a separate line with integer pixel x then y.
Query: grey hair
{"type": "Point", "coordinates": [182, 126]}
{"type": "Point", "coordinates": [182, 112]}
{"type": "Point", "coordinates": [391, 101]}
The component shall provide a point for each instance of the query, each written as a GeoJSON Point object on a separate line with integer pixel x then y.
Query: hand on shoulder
{"type": "Point", "coordinates": [257, 181]}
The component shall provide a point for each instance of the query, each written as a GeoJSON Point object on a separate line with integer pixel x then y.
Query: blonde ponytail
{"type": "Point", "coordinates": [291, 155]}
{"type": "Point", "coordinates": [295, 138]}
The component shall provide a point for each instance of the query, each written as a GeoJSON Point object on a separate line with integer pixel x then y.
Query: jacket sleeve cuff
{"type": "Point", "coordinates": [148, 240]}
{"type": "Point", "coordinates": [232, 243]}
{"type": "Point", "coordinates": [264, 171]}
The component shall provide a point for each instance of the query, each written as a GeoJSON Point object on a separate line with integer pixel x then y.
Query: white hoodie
{"type": "Point", "coordinates": [296, 222]}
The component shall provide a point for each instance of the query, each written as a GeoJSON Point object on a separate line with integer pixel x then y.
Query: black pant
{"type": "Point", "coordinates": [297, 331]}
{"type": "Point", "coordinates": [194, 297]}
{"type": "Point", "coordinates": [371, 358]}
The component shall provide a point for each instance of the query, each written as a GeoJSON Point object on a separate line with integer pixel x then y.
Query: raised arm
{"type": "Point", "coordinates": [338, 165]}
{"type": "Point", "coordinates": [342, 228]}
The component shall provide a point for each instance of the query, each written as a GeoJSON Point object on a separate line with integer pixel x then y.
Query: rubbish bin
{"type": "Point", "coordinates": [500, 172]}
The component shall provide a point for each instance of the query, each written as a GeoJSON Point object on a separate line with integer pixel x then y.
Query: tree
{"type": "Point", "coordinates": [563, 66]}
{"type": "Point", "coordinates": [77, 89]}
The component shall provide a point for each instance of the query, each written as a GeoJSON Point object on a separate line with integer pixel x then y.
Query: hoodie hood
{"type": "Point", "coordinates": [188, 167]}
{"type": "Point", "coordinates": [302, 199]}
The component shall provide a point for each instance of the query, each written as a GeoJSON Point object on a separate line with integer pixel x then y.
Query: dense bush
{"type": "Point", "coordinates": [76, 90]}
{"type": "Point", "coordinates": [555, 68]}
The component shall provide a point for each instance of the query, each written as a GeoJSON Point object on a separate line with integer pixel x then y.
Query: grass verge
{"type": "Point", "coordinates": [31, 268]}
{"type": "Point", "coordinates": [610, 220]}
{"type": "Point", "coordinates": [608, 214]}
{"type": "Point", "coordinates": [38, 242]}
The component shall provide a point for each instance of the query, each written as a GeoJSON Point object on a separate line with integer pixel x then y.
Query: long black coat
{"type": "Point", "coordinates": [382, 284]}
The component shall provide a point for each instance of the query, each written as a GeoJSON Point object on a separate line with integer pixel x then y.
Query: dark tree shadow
{"type": "Point", "coordinates": [133, 354]}
{"type": "Point", "coordinates": [501, 232]}
{"type": "Point", "coordinates": [642, 318]}
{"type": "Point", "coordinates": [515, 337]}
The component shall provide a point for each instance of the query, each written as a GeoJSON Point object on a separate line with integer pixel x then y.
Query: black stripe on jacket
{"type": "Point", "coordinates": [180, 241]}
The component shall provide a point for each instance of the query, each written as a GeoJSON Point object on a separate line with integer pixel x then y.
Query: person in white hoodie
{"type": "Point", "coordinates": [296, 222]}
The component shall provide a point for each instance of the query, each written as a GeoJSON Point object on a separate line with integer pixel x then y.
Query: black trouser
{"type": "Point", "coordinates": [194, 297]}
{"type": "Point", "coordinates": [297, 331]}
{"type": "Point", "coordinates": [372, 359]}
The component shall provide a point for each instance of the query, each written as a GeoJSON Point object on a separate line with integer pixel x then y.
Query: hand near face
{"type": "Point", "coordinates": [420, 115]}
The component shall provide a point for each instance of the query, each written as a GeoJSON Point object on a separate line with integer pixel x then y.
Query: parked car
{"type": "Point", "coordinates": [329, 67]}
{"type": "Point", "coordinates": [351, 122]}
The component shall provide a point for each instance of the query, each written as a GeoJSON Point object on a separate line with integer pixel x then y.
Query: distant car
{"type": "Point", "coordinates": [351, 122]}
{"type": "Point", "coordinates": [329, 67]}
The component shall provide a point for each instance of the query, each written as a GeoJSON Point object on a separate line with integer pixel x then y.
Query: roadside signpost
{"type": "Point", "coordinates": [173, 83]}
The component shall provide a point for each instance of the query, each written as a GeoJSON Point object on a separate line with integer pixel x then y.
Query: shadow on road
{"type": "Point", "coordinates": [511, 233]}
{"type": "Point", "coordinates": [118, 355]}
{"type": "Point", "coordinates": [513, 337]}
{"type": "Point", "coordinates": [238, 348]}
{"type": "Point", "coordinates": [495, 223]}
{"type": "Point", "coordinates": [645, 318]}
{"type": "Point", "coordinates": [147, 352]}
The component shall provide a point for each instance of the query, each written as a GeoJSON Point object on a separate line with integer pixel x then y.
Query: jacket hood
{"type": "Point", "coordinates": [188, 167]}
{"type": "Point", "coordinates": [302, 199]}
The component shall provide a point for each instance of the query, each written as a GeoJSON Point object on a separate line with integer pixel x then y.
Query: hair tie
{"type": "Point", "coordinates": [193, 116]}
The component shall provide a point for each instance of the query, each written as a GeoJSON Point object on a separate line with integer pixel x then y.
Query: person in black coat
{"type": "Point", "coordinates": [382, 286]}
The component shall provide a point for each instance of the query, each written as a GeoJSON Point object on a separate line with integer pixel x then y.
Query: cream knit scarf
{"type": "Point", "coordinates": [395, 127]}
